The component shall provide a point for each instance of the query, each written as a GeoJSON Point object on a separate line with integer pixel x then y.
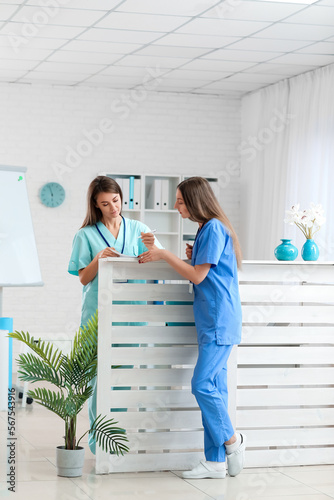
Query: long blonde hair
{"type": "Point", "coordinates": [101, 184]}
{"type": "Point", "coordinates": [203, 205]}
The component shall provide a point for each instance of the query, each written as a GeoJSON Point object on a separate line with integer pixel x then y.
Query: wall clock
{"type": "Point", "coordinates": [52, 194]}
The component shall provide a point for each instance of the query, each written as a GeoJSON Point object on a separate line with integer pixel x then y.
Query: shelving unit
{"type": "Point", "coordinates": [172, 231]}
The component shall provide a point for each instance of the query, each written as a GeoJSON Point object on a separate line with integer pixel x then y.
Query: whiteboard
{"type": "Point", "coordinates": [19, 265]}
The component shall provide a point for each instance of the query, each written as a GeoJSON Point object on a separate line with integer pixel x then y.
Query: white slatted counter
{"type": "Point", "coordinates": [281, 376]}
{"type": "Point", "coordinates": [285, 375]}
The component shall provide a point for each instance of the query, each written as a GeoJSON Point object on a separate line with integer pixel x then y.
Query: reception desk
{"type": "Point", "coordinates": [281, 377]}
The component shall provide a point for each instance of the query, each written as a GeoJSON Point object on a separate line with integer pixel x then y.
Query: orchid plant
{"type": "Point", "coordinates": [308, 221]}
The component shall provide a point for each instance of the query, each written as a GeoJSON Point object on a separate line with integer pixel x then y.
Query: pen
{"type": "Point", "coordinates": [153, 231]}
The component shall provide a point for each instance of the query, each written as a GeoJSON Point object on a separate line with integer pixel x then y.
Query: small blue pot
{"type": "Point", "coordinates": [286, 251]}
{"type": "Point", "coordinates": [310, 250]}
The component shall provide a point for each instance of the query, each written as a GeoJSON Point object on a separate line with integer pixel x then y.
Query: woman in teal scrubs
{"type": "Point", "coordinates": [215, 257]}
{"type": "Point", "coordinates": [103, 231]}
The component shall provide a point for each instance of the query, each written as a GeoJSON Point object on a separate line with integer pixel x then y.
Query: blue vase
{"type": "Point", "coordinates": [286, 251]}
{"type": "Point", "coordinates": [310, 250]}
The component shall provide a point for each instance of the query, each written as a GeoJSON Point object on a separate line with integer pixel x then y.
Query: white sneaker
{"type": "Point", "coordinates": [204, 471]}
{"type": "Point", "coordinates": [236, 460]}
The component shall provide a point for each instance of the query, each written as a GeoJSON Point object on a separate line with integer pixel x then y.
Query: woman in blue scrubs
{"type": "Point", "coordinates": [215, 257]}
{"type": "Point", "coordinates": [103, 231]}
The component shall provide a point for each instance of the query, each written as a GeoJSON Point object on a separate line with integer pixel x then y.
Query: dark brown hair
{"type": "Point", "coordinates": [100, 184]}
{"type": "Point", "coordinates": [203, 205]}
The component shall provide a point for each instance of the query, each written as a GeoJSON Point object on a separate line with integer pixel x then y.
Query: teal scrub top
{"type": "Point", "coordinates": [88, 242]}
{"type": "Point", "coordinates": [217, 306]}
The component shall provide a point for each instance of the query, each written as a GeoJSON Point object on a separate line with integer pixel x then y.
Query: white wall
{"type": "Point", "coordinates": [163, 132]}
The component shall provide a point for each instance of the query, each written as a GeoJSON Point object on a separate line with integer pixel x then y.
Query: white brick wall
{"type": "Point", "coordinates": [174, 133]}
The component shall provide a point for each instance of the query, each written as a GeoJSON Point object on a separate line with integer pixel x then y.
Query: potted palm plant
{"type": "Point", "coordinates": [71, 374]}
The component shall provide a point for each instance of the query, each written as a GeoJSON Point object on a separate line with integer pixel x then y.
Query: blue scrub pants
{"type": "Point", "coordinates": [209, 386]}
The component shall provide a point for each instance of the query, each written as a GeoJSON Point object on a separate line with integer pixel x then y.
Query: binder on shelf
{"type": "Point", "coordinates": [126, 193]}
{"type": "Point", "coordinates": [157, 194]}
{"type": "Point", "coordinates": [165, 194]}
{"type": "Point", "coordinates": [119, 181]}
{"type": "Point", "coordinates": [131, 191]}
{"type": "Point", "coordinates": [136, 193]}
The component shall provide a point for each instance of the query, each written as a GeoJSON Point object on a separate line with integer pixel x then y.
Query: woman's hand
{"type": "Point", "coordinates": [189, 251]}
{"type": "Point", "coordinates": [88, 273]}
{"type": "Point", "coordinates": [107, 252]}
{"type": "Point", "coordinates": [152, 255]}
{"type": "Point", "coordinates": [148, 239]}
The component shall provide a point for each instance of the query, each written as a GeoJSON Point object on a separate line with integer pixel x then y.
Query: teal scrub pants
{"type": "Point", "coordinates": [209, 386]}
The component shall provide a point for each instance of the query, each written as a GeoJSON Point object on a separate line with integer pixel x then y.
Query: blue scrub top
{"type": "Point", "coordinates": [217, 307]}
{"type": "Point", "coordinates": [88, 242]}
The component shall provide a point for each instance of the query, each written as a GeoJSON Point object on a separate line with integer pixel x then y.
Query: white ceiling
{"type": "Point", "coordinates": [226, 47]}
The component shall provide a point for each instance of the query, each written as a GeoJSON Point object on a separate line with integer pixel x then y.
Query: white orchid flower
{"type": "Point", "coordinates": [308, 221]}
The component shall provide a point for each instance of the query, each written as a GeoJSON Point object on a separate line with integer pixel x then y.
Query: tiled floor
{"type": "Point", "coordinates": [39, 432]}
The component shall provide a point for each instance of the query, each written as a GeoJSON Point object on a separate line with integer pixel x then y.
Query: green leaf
{"type": "Point", "coordinates": [81, 365]}
{"type": "Point", "coordinates": [45, 350]}
{"type": "Point", "coordinates": [33, 369]}
{"type": "Point", "coordinates": [108, 436]}
{"type": "Point", "coordinates": [53, 401]}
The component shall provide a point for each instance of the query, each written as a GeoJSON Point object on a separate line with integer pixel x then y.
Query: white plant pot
{"type": "Point", "coordinates": [70, 462]}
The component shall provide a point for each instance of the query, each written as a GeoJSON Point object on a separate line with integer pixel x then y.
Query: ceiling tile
{"type": "Point", "coordinates": [241, 55]}
{"type": "Point", "coordinates": [54, 76]}
{"type": "Point", "coordinates": [26, 53]}
{"type": "Point", "coordinates": [230, 94]}
{"type": "Point", "coordinates": [205, 41]}
{"type": "Point", "coordinates": [141, 22]}
{"type": "Point", "coordinates": [318, 48]}
{"type": "Point", "coordinates": [60, 17]}
{"type": "Point", "coordinates": [107, 47]}
{"type": "Point", "coordinates": [65, 82]}
{"type": "Point", "coordinates": [306, 59]}
{"type": "Point", "coordinates": [175, 7]}
{"type": "Point", "coordinates": [183, 83]}
{"type": "Point", "coordinates": [6, 11]}
{"type": "Point", "coordinates": [72, 68]}
{"type": "Point", "coordinates": [213, 65]}
{"type": "Point", "coordinates": [165, 51]}
{"type": "Point", "coordinates": [105, 85]}
{"type": "Point", "coordinates": [29, 32]}
{"type": "Point", "coordinates": [127, 71]}
{"type": "Point", "coordinates": [296, 32]}
{"type": "Point", "coordinates": [32, 43]}
{"type": "Point", "coordinates": [84, 57]}
{"type": "Point", "coordinates": [302, 2]}
{"type": "Point", "coordinates": [83, 4]}
{"type": "Point", "coordinates": [253, 11]}
{"type": "Point", "coordinates": [11, 74]}
{"type": "Point", "coordinates": [119, 36]}
{"type": "Point", "coordinates": [222, 27]}
{"type": "Point", "coordinates": [228, 85]}
{"type": "Point", "coordinates": [314, 15]}
{"type": "Point", "coordinates": [18, 64]}
{"type": "Point", "coordinates": [119, 79]}
{"type": "Point", "coordinates": [270, 44]}
{"type": "Point", "coordinates": [255, 77]}
{"type": "Point", "coordinates": [279, 69]}
{"type": "Point", "coordinates": [177, 90]}
{"type": "Point", "coordinates": [197, 75]}
{"type": "Point", "coordinates": [151, 61]}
